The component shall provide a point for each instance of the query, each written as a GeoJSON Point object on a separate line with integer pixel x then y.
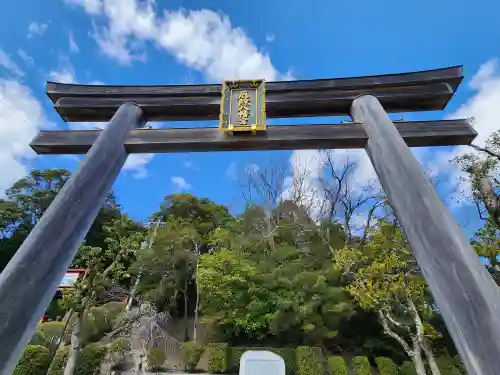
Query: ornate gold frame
{"type": "Point", "coordinates": [224, 116]}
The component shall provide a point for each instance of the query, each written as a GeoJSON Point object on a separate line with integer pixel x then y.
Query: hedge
{"type": "Point", "coordinates": [460, 365]}
{"type": "Point", "coordinates": [34, 361]}
{"type": "Point", "coordinates": [407, 368]}
{"type": "Point", "coordinates": [156, 359]}
{"type": "Point", "coordinates": [361, 366]}
{"type": "Point", "coordinates": [446, 366]}
{"type": "Point", "coordinates": [217, 357]}
{"type": "Point", "coordinates": [337, 366]}
{"type": "Point", "coordinates": [59, 362]}
{"type": "Point", "coordinates": [90, 359]}
{"type": "Point", "coordinates": [386, 366]}
{"type": "Point", "coordinates": [309, 360]}
{"type": "Point", "coordinates": [288, 355]}
{"type": "Point", "coordinates": [191, 354]}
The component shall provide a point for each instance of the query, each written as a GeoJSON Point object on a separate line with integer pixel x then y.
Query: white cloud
{"type": "Point", "coordinates": [200, 39]}
{"type": "Point", "coordinates": [36, 28]}
{"type": "Point", "coordinates": [25, 57]}
{"type": "Point", "coordinates": [7, 63]}
{"type": "Point", "coordinates": [63, 75]}
{"type": "Point", "coordinates": [270, 37]}
{"type": "Point", "coordinates": [22, 117]}
{"type": "Point", "coordinates": [180, 183]}
{"type": "Point", "coordinates": [484, 108]}
{"type": "Point", "coordinates": [90, 6]}
{"type": "Point", "coordinates": [73, 47]}
{"type": "Point", "coordinates": [136, 164]}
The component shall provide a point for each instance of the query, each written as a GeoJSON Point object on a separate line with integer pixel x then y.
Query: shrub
{"type": "Point", "coordinates": [361, 366]}
{"type": "Point", "coordinates": [288, 355]}
{"type": "Point", "coordinates": [90, 359]}
{"type": "Point", "coordinates": [309, 360]}
{"type": "Point", "coordinates": [34, 361]}
{"type": "Point", "coordinates": [191, 354]}
{"type": "Point", "coordinates": [118, 350]}
{"type": "Point", "coordinates": [59, 362]}
{"type": "Point", "coordinates": [156, 359]}
{"type": "Point", "coordinates": [52, 332]}
{"type": "Point", "coordinates": [407, 368]}
{"type": "Point", "coordinates": [217, 354]}
{"type": "Point", "coordinates": [337, 366]}
{"type": "Point", "coordinates": [459, 364]}
{"type": "Point", "coordinates": [446, 366]}
{"type": "Point", "coordinates": [386, 366]}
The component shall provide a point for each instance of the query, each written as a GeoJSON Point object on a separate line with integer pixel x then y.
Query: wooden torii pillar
{"type": "Point", "coordinates": [466, 295]}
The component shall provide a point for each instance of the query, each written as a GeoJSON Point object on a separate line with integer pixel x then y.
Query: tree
{"type": "Point", "coordinates": [170, 267]}
{"type": "Point", "coordinates": [29, 198]}
{"type": "Point", "coordinates": [482, 170]}
{"type": "Point", "coordinates": [383, 276]}
{"type": "Point", "coordinates": [288, 291]}
{"type": "Point", "coordinates": [107, 271]}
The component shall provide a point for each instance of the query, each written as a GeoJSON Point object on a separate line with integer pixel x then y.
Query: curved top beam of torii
{"type": "Point", "coordinates": [405, 92]}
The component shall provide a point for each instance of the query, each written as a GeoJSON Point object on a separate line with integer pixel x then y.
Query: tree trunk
{"type": "Point", "coordinates": [416, 358]}
{"type": "Point", "coordinates": [423, 342]}
{"type": "Point", "coordinates": [429, 355]}
{"type": "Point", "coordinates": [197, 302]}
{"type": "Point", "coordinates": [74, 349]}
{"type": "Point", "coordinates": [414, 353]}
{"type": "Point", "coordinates": [186, 299]}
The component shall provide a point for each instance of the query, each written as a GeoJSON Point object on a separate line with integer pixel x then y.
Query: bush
{"type": "Point", "coordinates": [309, 360]}
{"type": "Point", "coordinates": [361, 366]}
{"type": "Point", "coordinates": [288, 355]}
{"type": "Point", "coordinates": [217, 354]}
{"type": "Point", "coordinates": [386, 366]}
{"type": "Point", "coordinates": [337, 366]}
{"type": "Point", "coordinates": [34, 361]}
{"type": "Point", "coordinates": [407, 368]}
{"type": "Point", "coordinates": [59, 362]}
{"type": "Point", "coordinates": [90, 359]}
{"type": "Point", "coordinates": [191, 354]}
{"type": "Point", "coordinates": [156, 359]}
{"type": "Point", "coordinates": [118, 350]}
{"type": "Point", "coordinates": [459, 364]}
{"type": "Point", "coordinates": [446, 366]}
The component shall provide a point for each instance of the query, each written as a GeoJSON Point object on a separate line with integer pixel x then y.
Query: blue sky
{"type": "Point", "coordinates": [179, 42]}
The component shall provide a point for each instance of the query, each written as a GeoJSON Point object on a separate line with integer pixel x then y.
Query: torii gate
{"type": "Point", "coordinates": [466, 295]}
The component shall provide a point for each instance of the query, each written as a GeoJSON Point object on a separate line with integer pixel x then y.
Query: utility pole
{"type": "Point", "coordinates": [145, 245]}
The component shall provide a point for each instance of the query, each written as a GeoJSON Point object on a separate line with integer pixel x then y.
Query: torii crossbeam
{"type": "Point", "coordinates": [466, 295]}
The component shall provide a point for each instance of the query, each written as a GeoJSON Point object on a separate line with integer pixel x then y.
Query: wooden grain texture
{"type": "Point", "coordinates": [452, 76]}
{"type": "Point", "coordinates": [284, 137]}
{"type": "Point", "coordinates": [465, 293]}
{"type": "Point", "coordinates": [287, 104]}
{"type": "Point", "coordinates": [31, 278]}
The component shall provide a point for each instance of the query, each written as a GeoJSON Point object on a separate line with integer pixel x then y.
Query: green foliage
{"type": "Point", "coordinates": [49, 333]}
{"type": "Point", "coordinates": [386, 366]}
{"type": "Point", "coordinates": [90, 359]}
{"type": "Point", "coordinates": [337, 366]}
{"type": "Point", "coordinates": [446, 366]}
{"type": "Point", "coordinates": [292, 291]}
{"type": "Point", "coordinates": [407, 368]}
{"type": "Point", "coordinates": [118, 349]}
{"type": "Point", "coordinates": [156, 359]}
{"type": "Point", "coordinates": [309, 360]}
{"type": "Point", "coordinates": [191, 354]}
{"type": "Point", "coordinates": [217, 357]}
{"type": "Point", "coordinates": [288, 355]}
{"type": "Point", "coordinates": [459, 364]}
{"type": "Point", "coordinates": [59, 362]}
{"type": "Point", "coordinates": [34, 361]}
{"type": "Point", "coordinates": [361, 366]}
